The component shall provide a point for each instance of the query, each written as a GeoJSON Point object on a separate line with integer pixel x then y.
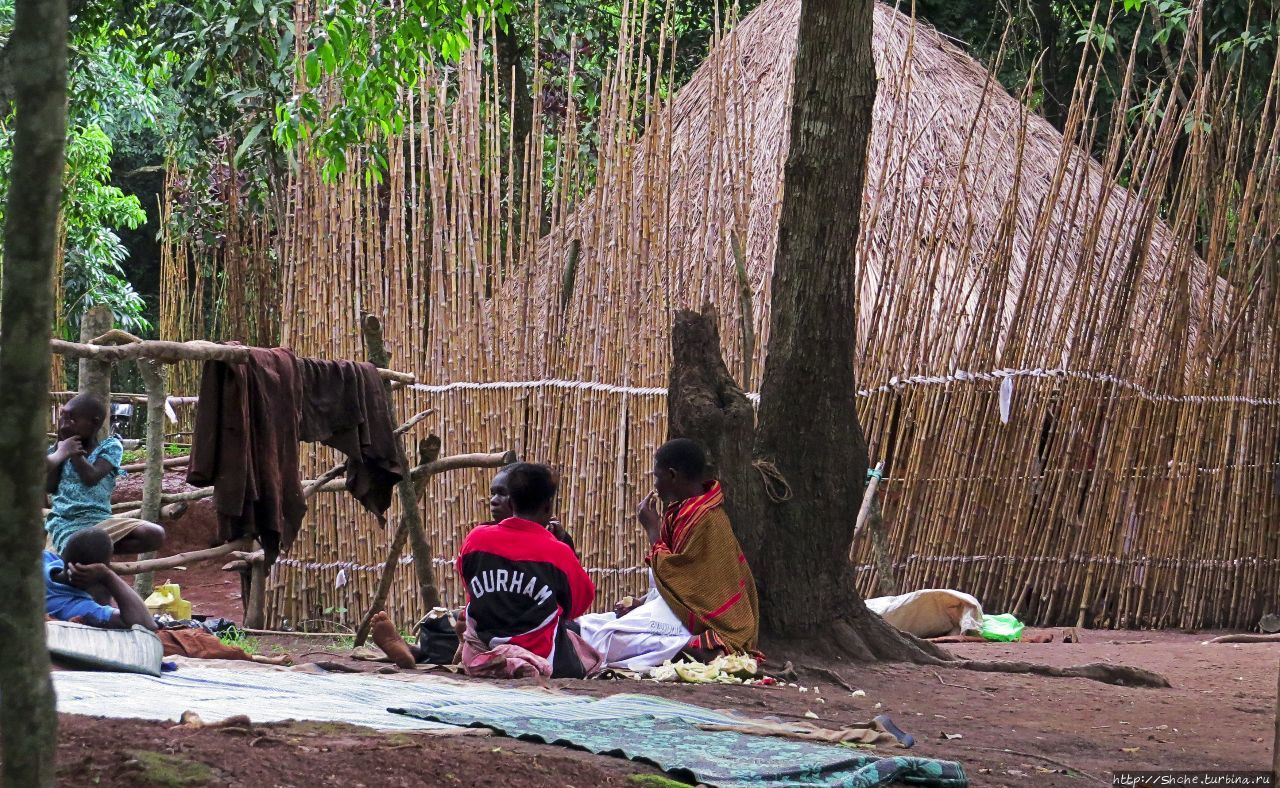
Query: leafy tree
{"type": "Point", "coordinates": [91, 207]}
{"type": "Point", "coordinates": [110, 93]}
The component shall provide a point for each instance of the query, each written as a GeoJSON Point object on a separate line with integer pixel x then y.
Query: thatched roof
{"type": "Point", "coordinates": [985, 240]}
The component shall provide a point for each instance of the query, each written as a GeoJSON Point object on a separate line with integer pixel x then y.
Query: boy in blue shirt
{"type": "Point", "coordinates": [77, 584]}
{"type": "Point", "coordinates": [81, 475]}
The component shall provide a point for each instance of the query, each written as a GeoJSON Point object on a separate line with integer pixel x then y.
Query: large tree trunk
{"type": "Point", "coordinates": [808, 415]}
{"type": "Point", "coordinates": [794, 482]}
{"type": "Point", "coordinates": [38, 56]}
{"type": "Point", "coordinates": [706, 404]}
{"type": "Point", "coordinates": [1051, 78]}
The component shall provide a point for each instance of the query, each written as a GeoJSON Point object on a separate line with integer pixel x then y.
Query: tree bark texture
{"type": "Point", "coordinates": [706, 404]}
{"type": "Point", "coordinates": [808, 418]}
{"type": "Point", "coordinates": [37, 52]}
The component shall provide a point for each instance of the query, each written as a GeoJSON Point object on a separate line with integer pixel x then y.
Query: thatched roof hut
{"type": "Point", "coordinates": [1096, 486]}
{"type": "Point", "coordinates": [985, 239]}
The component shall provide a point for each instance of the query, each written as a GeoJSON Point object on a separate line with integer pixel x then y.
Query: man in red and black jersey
{"type": "Point", "coordinates": [500, 509]}
{"type": "Point", "coordinates": [525, 587]}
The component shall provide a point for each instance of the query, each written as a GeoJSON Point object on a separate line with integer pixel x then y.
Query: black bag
{"type": "Point", "coordinates": [437, 637]}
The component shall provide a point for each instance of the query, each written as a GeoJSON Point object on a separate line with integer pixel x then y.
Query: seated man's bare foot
{"type": "Point", "coordinates": [389, 640]}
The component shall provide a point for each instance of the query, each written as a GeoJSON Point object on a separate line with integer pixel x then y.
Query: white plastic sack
{"type": "Point", "coordinates": [931, 612]}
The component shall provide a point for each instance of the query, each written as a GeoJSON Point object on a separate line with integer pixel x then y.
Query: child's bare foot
{"type": "Point", "coordinates": [389, 640]}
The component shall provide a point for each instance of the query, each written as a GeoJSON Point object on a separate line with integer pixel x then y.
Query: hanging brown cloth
{"type": "Point", "coordinates": [345, 406]}
{"type": "Point", "coordinates": [246, 446]}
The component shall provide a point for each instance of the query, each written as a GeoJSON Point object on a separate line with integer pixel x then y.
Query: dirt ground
{"type": "Point", "coordinates": [216, 593]}
{"type": "Point", "coordinates": [1005, 729]}
{"type": "Point", "coordinates": [97, 752]}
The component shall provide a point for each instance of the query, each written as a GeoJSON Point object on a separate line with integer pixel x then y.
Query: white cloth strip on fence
{"type": "Point", "coordinates": [1105, 560]}
{"type": "Point", "coordinates": [548, 383]}
{"type": "Point", "coordinates": [1148, 472]}
{"type": "Point", "coordinates": [895, 383]}
{"type": "Point", "coordinates": [350, 566]}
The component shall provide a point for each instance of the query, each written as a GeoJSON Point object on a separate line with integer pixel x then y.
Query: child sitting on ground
{"type": "Point", "coordinates": [81, 477]}
{"type": "Point", "coordinates": [79, 583]}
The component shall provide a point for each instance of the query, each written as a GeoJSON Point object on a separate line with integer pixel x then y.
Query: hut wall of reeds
{"type": "Point", "coordinates": [1078, 417]}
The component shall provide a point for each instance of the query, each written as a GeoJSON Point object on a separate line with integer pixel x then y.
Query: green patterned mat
{"type": "Point", "coordinates": [666, 734]}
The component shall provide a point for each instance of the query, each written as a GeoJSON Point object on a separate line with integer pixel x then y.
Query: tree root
{"type": "Point", "coordinates": [1243, 638]}
{"type": "Point", "coordinates": [1122, 675]}
{"type": "Point", "coordinates": [830, 675]}
{"type": "Point", "coordinates": [872, 639]}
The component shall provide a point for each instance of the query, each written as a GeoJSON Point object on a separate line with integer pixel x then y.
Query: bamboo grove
{"type": "Point", "coordinates": [1075, 399]}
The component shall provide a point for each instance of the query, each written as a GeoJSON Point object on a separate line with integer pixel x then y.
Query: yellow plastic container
{"type": "Point", "coordinates": [168, 599]}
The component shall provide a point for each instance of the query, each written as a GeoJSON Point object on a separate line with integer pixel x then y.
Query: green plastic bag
{"type": "Point", "coordinates": [1003, 627]}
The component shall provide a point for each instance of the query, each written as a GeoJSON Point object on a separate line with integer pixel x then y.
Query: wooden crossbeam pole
{"type": "Point", "coordinates": [167, 352]}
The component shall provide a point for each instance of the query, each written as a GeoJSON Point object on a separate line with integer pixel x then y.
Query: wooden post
{"type": "Point", "coordinates": [886, 581]}
{"type": "Point", "coordinates": [384, 583]}
{"type": "Point", "coordinates": [172, 561]}
{"type": "Point", "coordinates": [95, 376]}
{"type": "Point", "coordinates": [411, 517]}
{"type": "Point", "coordinates": [869, 518]}
{"type": "Point", "coordinates": [153, 377]}
{"type": "Point", "coordinates": [868, 495]}
{"type": "Point", "coordinates": [429, 451]}
{"type": "Point", "coordinates": [255, 607]}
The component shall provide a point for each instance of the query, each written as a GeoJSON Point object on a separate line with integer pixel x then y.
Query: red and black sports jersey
{"type": "Point", "coordinates": [522, 585]}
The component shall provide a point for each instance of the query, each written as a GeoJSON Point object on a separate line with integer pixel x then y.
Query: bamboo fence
{"type": "Point", "coordinates": [1078, 416]}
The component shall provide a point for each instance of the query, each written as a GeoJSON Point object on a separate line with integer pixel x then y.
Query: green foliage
{"type": "Point", "coordinates": [91, 273]}
{"type": "Point", "coordinates": [655, 781]}
{"type": "Point", "coordinates": [110, 94]}
{"type": "Point", "coordinates": [242, 641]}
{"type": "Point", "coordinates": [140, 454]}
{"type": "Point", "coordinates": [365, 55]}
{"type": "Point", "coordinates": [231, 64]}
